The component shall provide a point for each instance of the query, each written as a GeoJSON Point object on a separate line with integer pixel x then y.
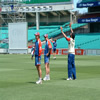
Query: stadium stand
{"type": "Point", "coordinates": [4, 45]}
{"type": "Point", "coordinates": [32, 32]}
{"type": "Point", "coordinates": [82, 41]}
{"type": "Point", "coordinates": [56, 32]}
{"type": "Point", "coordinates": [43, 30]}
{"type": "Point", "coordinates": [52, 31]}
{"type": "Point", "coordinates": [88, 41]}
{"type": "Point", "coordinates": [3, 33]}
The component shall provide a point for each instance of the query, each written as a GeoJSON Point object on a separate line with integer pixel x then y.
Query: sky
{"type": "Point", "coordinates": [81, 10]}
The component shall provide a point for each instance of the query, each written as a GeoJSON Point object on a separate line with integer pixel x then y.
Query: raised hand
{"type": "Point", "coordinates": [61, 28]}
{"type": "Point", "coordinates": [70, 24]}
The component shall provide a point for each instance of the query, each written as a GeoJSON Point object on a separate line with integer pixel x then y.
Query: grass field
{"type": "Point", "coordinates": [18, 75]}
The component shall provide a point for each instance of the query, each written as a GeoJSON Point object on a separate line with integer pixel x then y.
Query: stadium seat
{"type": "Point", "coordinates": [3, 34]}
{"type": "Point", "coordinates": [84, 41]}
{"type": "Point", "coordinates": [3, 45]}
{"type": "Point", "coordinates": [88, 41]}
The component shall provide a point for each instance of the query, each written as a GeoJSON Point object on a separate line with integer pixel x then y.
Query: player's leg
{"type": "Point", "coordinates": [69, 67]}
{"type": "Point", "coordinates": [47, 76]}
{"type": "Point", "coordinates": [54, 53]}
{"type": "Point", "coordinates": [73, 67]}
{"type": "Point", "coordinates": [39, 71]}
{"type": "Point", "coordinates": [40, 75]}
{"type": "Point", "coordinates": [38, 66]}
{"type": "Point", "coordinates": [46, 68]}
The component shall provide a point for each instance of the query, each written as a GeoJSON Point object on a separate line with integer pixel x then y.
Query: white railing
{"type": "Point", "coordinates": [2, 51]}
{"type": "Point", "coordinates": [92, 52]}
{"type": "Point", "coordinates": [86, 52]}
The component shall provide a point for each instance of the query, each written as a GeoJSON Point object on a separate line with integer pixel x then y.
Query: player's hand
{"type": "Point", "coordinates": [61, 28]}
{"type": "Point", "coordinates": [70, 24]}
{"type": "Point", "coordinates": [51, 39]}
{"type": "Point", "coordinates": [31, 58]}
{"type": "Point", "coordinates": [47, 54]}
{"type": "Point", "coordinates": [39, 58]}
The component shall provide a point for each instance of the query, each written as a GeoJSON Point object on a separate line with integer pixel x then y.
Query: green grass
{"type": "Point", "coordinates": [18, 75]}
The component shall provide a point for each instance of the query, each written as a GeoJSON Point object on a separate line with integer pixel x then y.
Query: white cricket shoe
{"type": "Point", "coordinates": [46, 78]}
{"type": "Point", "coordinates": [54, 58]}
{"type": "Point", "coordinates": [69, 79]}
{"type": "Point", "coordinates": [39, 82]}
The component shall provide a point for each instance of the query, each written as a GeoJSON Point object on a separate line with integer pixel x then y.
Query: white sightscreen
{"type": "Point", "coordinates": [17, 36]}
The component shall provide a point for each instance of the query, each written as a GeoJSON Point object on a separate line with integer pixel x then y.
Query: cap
{"type": "Point", "coordinates": [46, 35]}
{"type": "Point", "coordinates": [37, 34]}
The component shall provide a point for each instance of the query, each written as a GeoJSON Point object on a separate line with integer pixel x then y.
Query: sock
{"type": "Point", "coordinates": [48, 75]}
{"type": "Point", "coordinates": [40, 78]}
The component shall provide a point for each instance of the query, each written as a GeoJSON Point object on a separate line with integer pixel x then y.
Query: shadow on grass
{"type": "Point", "coordinates": [63, 78]}
{"type": "Point", "coordinates": [32, 82]}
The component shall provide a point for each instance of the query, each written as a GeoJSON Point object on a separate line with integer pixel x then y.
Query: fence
{"type": "Point", "coordinates": [65, 51]}
{"type": "Point", "coordinates": [77, 51]}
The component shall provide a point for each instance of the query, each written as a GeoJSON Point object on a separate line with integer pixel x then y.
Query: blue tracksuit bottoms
{"type": "Point", "coordinates": [71, 66]}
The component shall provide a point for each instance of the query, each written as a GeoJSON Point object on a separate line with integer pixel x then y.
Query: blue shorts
{"type": "Point", "coordinates": [37, 62]}
{"type": "Point", "coordinates": [46, 59]}
{"type": "Point", "coordinates": [54, 50]}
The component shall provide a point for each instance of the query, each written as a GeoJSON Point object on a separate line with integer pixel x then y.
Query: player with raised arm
{"type": "Point", "coordinates": [38, 50]}
{"type": "Point", "coordinates": [71, 54]}
{"type": "Point", "coordinates": [47, 53]}
{"type": "Point", "coordinates": [54, 48]}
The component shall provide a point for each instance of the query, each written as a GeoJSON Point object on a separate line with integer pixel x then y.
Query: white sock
{"type": "Point", "coordinates": [48, 75]}
{"type": "Point", "coordinates": [40, 78]}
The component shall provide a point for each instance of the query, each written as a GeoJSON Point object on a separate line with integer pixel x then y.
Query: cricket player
{"type": "Point", "coordinates": [54, 48]}
{"type": "Point", "coordinates": [71, 54]}
{"type": "Point", "coordinates": [47, 52]}
{"type": "Point", "coordinates": [38, 50]}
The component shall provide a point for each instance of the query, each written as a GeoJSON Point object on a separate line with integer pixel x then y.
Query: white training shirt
{"type": "Point", "coordinates": [71, 46]}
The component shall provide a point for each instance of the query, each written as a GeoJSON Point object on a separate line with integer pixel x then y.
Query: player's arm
{"type": "Point", "coordinates": [50, 47]}
{"type": "Point", "coordinates": [51, 40]}
{"type": "Point", "coordinates": [40, 48]}
{"type": "Point", "coordinates": [56, 44]}
{"type": "Point", "coordinates": [33, 53]}
{"type": "Point", "coordinates": [49, 52]}
{"type": "Point", "coordinates": [68, 39]}
{"type": "Point", "coordinates": [71, 27]}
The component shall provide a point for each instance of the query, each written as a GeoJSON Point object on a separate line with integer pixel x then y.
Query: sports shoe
{"type": "Point", "coordinates": [54, 58]}
{"type": "Point", "coordinates": [69, 79]}
{"type": "Point", "coordinates": [74, 79]}
{"type": "Point", "coordinates": [39, 82]}
{"type": "Point", "coordinates": [46, 78]}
